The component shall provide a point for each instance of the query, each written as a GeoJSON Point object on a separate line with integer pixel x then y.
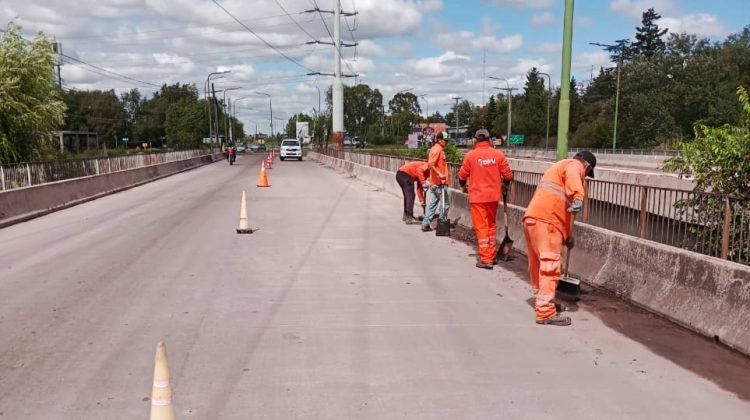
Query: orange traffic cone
{"type": "Point", "coordinates": [269, 162]}
{"type": "Point", "coordinates": [263, 177]}
{"type": "Point", "coordinates": [161, 393]}
{"type": "Point", "coordinates": [243, 217]}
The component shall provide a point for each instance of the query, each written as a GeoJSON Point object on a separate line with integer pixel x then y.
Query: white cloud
{"type": "Point", "coordinates": [544, 19]}
{"type": "Point", "coordinates": [468, 41]}
{"type": "Point", "coordinates": [533, 4]}
{"type": "Point", "coordinates": [548, 48]}
{"type": "Point", "coordinates": [370, 48]}
{"type": "Point", "coordinates": [597, 59]}
{"type": "Point", "coordinates": [584, 21]}
{"type": "Point", "coordinates": [444, 65]}
{"type": "Point", "coordinates": [700, 24]}
{"type": "Point", "coordinates": [634, 9]}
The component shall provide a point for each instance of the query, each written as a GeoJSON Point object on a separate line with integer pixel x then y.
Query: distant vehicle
{"type": "Point", "coordinates": [290, 148]}
{"type": "Point", "coordinates": [258, 148]}
{"type": "Point", "coordinates": [241, 147]}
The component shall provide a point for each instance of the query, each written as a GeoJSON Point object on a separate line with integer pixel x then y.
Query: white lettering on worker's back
{"type": "Point", "coordinates": [486, 162]}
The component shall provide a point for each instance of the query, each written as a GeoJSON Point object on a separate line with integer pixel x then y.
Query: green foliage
{"type": "Point", "coordinates": [30, 105]}
{"type": "Point", "coordinates": [185, 123]}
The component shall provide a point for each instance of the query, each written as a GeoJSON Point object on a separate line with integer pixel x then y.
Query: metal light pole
{"type": "Point", "coordinates": [617, 88]}
{"type": "Point", "coordinates": [270, 106]}
{"type": "Point", "coordinates": [226, 128]}
{"type": "Point", "coordinates": [206, 88]}
{"type": "Point", "coordinates": [456, 112]}
{"type": "Point", "coordinates": [427, 107]}
{"type": "Point", "coordinates": [549, 98]}
{"type": "Point", "coordinates": [509, 92]}
{"type": "Point", "coordinates": [563, 119]}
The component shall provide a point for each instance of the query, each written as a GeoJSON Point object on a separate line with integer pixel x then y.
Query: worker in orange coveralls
{"type": "Point", "coordinates": [547, 226]}
{"type": "Point", "coordinates": [406, 176]}
{"type": "Point", "coordinates": [484, 168]}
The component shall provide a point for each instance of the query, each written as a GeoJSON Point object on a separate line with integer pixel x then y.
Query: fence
{"type": "Point", "coordinates": [35, 173]}
{"type": "Point", "coordinates": [711, 224]}
{"type": "Point", "coordinates": [638, 152]}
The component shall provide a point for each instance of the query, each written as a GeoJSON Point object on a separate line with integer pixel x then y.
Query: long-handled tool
{"type": "Point", "coordinates": [503, 252]}
{"type": "Point", "coordinates": [567, 284]}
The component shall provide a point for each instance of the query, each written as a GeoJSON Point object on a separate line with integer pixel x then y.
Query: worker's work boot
{"type": "Point", "coordinates": [426, 228]}
{"type": "Point", "coordinates": [559, 307]}
{"type": "Point", "coordinates": [558, 320]}
{"type": "Point", "coordinates": [410, 220]}
{"type": "Point", "coordinates": [484, 265]}
{"type": "Point", "coordinates": [403, 218]}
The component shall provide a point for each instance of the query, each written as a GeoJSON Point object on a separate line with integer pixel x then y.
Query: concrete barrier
{"type": "Point", "coordinates": [705, 294]}
{"type": "Point", "coordinates": [23, 204]}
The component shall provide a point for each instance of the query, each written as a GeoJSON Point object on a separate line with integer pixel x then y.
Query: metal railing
{"type": "Point", "coordinates": [22, 175]}
{"type": "Point", "coordinates": [710, 224]}
{"type": "Point", "coordinates": [573, 150]}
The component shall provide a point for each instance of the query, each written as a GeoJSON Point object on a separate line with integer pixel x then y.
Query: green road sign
{"type": "Point", "coordinates": [515, 139]}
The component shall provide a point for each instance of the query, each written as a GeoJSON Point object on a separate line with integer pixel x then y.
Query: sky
{"type": "Point", "coordinates": [441, 49]}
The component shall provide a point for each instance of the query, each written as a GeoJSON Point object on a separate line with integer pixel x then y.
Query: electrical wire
{"type": "Point", "coordinates": [262, 39]}
{"type": "Point", "coordinates": [122, 76]}
{"type": "Point", "coordinates": [293, 20]}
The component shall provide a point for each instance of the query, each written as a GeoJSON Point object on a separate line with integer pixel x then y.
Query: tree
{"type": "Point", "coordinates": [648, 40]}
{"type": "Point", "coordinates": [405, 102]}
{"type": "Point", "coordinates": [30, 105]}
{"type": "Point", "coordinates": [185, 123]}
{"type": "Point", "coordinates": [363, 107]}
{"type": "Point", "coordinates": [719, 160]}
{"type": "Point", "coordinates": [95, 111]}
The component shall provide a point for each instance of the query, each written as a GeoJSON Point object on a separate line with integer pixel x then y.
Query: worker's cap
{"type": "Point", "coordinates": [482, 134]}
{"type": "Point", "coordinates": [589, 158]}
{"type": "Point", "coordinates": [443, 136]}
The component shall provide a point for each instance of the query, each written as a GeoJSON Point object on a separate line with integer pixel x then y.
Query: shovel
{"type": "Point", "coordinates": [503, 252]}
{"type": "Point", "coordinates": [567, 284]}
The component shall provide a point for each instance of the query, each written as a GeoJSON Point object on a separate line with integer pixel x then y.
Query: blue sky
{"type": "Point", "coordinates": [433, 47]}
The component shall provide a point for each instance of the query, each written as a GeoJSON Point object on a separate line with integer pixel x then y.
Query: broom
{"type": "Point", "coordinates": [567, 284]}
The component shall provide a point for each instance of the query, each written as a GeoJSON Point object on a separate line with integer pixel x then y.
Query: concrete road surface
{"type": "Point", "coordinates": [333, 309]}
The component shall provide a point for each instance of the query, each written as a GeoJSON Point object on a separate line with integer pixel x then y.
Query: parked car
{"type": "Point", "coordinates": [290, 148]}
{"type": "Point", "coordinates": [240, 147]}
{"type": "Point", "coordinates": [258, 148]}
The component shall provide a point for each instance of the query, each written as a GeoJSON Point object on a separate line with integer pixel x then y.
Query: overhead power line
{"type": "Point", "coordinates": [294, 20]}
{"type": "Point", "coordinates": [122, 76]}
{"type": "Point", "coordinates": [320, 13]}
{"type": "Point", "coordinates": [262, 39]}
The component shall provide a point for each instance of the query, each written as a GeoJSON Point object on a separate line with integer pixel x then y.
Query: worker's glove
{"type": "Point", "coordinates": [576, 206]}
{"type": "Point", "coordinates": [464, 188]}
{"type": "Point", "coordinates": [570, 242]}
{"type": "Point", "coordinates": [506, 184]}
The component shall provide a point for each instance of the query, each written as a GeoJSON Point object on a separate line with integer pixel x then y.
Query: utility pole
{"type": "Point", "coordinates": [58, 50]}
{"type": "Point", "coordinates": [216, 115]}
{"type": "Point", "coordinates": [456, 112]}
{"type": "Point", "coordinates": [206, 88]}
{"type": "Point", "coordinates": [549, 98]}
{"type": "Point", "coordinates": [563, 118]}
{"type": "Point", "coordinates": [337, 89]}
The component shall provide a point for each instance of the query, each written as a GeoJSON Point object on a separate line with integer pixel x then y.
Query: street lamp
{"type": "Point", "coordinates": [549, 98]}
{"type": "Point", "coordinates": [226, 128]}
{"type": "Point", "coordinates": [427, 107]}
{"type": "Point", "coordinates": [618, 48]}
{"type": "Point", "coordinates": [270, 105]}
{"type": "Point", "coordinates": [509, 91]}
{"type": "Point", "coordinates": [206, 87]}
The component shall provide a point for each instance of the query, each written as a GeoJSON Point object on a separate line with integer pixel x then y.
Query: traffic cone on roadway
{"type": "Point", "coordinates": [263, 177]}
{"type": "Point", "coordinates": [161, 393]}
{"type": "Point", "coordinates": [269, 162]}
{"type": "Point", "coordinates": [243, 217]}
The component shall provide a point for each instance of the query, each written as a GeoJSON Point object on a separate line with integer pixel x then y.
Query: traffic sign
{"type": "Point", "coordinates": [516, 139]}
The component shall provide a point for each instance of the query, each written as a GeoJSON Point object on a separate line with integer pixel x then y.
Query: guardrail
{"type": "Point", "coordinates": [711, 224]}
{"type": "Point", "coordinates": [22, 175]}
{"type": "Point", "coordinates": [637, 152]}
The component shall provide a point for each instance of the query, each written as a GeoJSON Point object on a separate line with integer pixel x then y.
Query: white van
{"type": "Point", "coordinates": [290, 148]}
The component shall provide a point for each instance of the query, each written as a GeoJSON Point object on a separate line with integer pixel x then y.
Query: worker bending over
{"type": "Point", "coordinates": [406, 176]}
{"type": "Point", "coordinates": [547, 225]}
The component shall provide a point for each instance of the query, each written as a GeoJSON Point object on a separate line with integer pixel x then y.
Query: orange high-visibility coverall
{"type": "Point", "coordinates": [484, 167]}
{"type": "Point", "coordinates": [547, 227]}
{"type": "Point", "coordinates": [437, 161]}
{"type": "Point", "coordinates": [418, 171]}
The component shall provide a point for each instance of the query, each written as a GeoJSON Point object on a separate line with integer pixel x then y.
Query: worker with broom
{"type": "Point", "coordinates": [484, 168]}
{"type": "Point", "coordinates": [547, 226]}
